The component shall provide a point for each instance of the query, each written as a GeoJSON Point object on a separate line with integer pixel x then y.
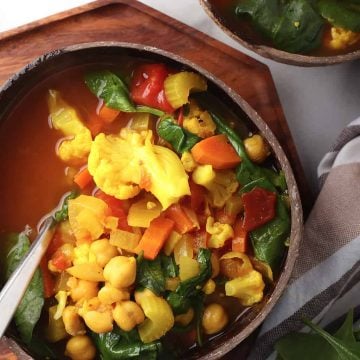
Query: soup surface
{"type": "Point", "coordinates": [168, 223]}
{"type": "Point", "coordinates": [325, 29]}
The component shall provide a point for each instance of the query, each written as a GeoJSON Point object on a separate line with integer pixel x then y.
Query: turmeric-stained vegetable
{"type": "Point", "coordinates": [61, 298]}
{"type": "Point", "coordinates": [140, 121]}
{"type": "Point", "coordinates": [139, 163]}
{"type": "Point", "coordinates": [240, 241]}
{"type": "Point", "coordinates": [159, 318]}
{"type": "Point", "coordinates": [235, 264]}
{"type": "Point", "coordinates": [124, 240]}
{"type": "Point", "coordinates": [65, 118]}
{"type": "Point", "coordinates": [179, 86]}
{"type": "Point", "coordinates": [256, 148]}
{"type": "Point", "coordinates": [248, 288]}
{"type": "Point", "coordinates": [87, 216]}
{"type": "Point", "coordinates": [142, 212]}
{"type": "Point", "coordinates": [342, 39]}
{"type": "Point", "coordinates": [217, 152]}
{"type": "Point", "coordinates": [220, 184]}
{"type": "Point", "coordinates": [89, 272]}
{"type": "Point", "coordinates": [154, 237]}
{"type": "Point", "coordinates": [188, 268]}
{"type": "Point", "coordinates": [83, 178]}
{"type": "Point", "coordinates": [171, 242]}
{"type": "Point", "coordinates": [199, 122]}
{"type": "Point", "coordinates": [219, 233]}
{"type": "Point", "coordinates": [55, 330]}
{"type": "Point", "coordinates": [183, 247]}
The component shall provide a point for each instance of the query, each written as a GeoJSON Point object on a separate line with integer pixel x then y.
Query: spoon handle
{"type": "Point", "coordinates": [14, 289]}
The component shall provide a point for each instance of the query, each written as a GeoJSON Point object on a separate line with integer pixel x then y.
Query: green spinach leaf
{"type": "Point", "coordinates": [118, 345]}
{"type": "Point", "coordinates": [268, 241]}
{"type": "Point", "coordinates": [62, 214]}
{"type": "Point", "coordinates": [179, 138]}
{"type": "Point", "coordinates": [344, 14]}
{"type": "Point", "coordinates": [150, 274]}
{"type": "Point", "coordinates": [29, 309]}
{"type": "Point", "coordinates": [170, 269]}
{"type": "Point", "coordinates": [293, 25]}
{"type": "Point", "coordinates": [320, 345]}
{"type": "Point", "coordinates": [180, 299]}
{"type": "Point", "coordinates": [109, 87]}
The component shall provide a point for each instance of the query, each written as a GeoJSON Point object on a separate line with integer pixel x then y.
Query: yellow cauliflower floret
{"type": "Point", "coordinates": [88, 217]}
{"type": "Point", "coordinates": [83, 255]}
{"type": "Point", "coordinates": [220, 184]}
{"type": "Point", "coordinates": [199, 122]}
{"type": "Point", "coordinates": [248, 288]}
{"type": "Point", "coordinates": [341, 38]}
{"type": "Point", "coordinates": [76, 147]}
{"type": "Point", "coordinates": [219, 233]}
{"type": "Point", "coordinates": [123, 164]}
{"type": "Point", "coordinates": [188, 161]}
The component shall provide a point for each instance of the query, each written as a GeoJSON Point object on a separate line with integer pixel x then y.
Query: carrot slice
{"type": "Point", "coordinates": [240, 240]}
{"type": "Point", "coordinates": [107, 114]}
{"type": "Point", "coordinates": [183, 222]}
{"type": "Point", "coordinates": [83, 178]}
{"type": "Point", "coordinates": [216, 151]}
{"type": "Point", "coordinates": [154, 237]}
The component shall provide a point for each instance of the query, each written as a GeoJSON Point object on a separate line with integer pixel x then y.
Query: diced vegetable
{"type": "Point", "coordinates": [179, 86]}
{"type": "Point", "coordinates": [235, 264]}
{"type": "Point", "coordinates": [188, 268]}
{"type": "Point", "coordinates": [142, 212]}
{"type": "Point", "coordinates": [154, 237]}
{"type": "Point", "coordinates": [124, 240]}
{"type": "Point", "coordinates": [240, 241]}
{"type": "Point", "coordinates": [217, 152]}
{"type": "Point", "coordinates": [87, 271]}
{"type": "Point", "coordinates": [259, 207]}
{"type": "Point", "coordinates": [219, 233]}
{"type": "Point", "coordinates": [171, 242]}
{"type": "Point", "coordinates": [48, 281]}
{"type": "Point", "coordinates": [55, 330]}
{"type": "Point", "coordinates": [159, 318]}
{"type": "Point", "coordinates": [183, 247]}
{"type": "Point", "coordinates": [147, 86]}
{"type": "Point", "coordinates": [247, 288]}
{"type": "Point", "coordinates": [140, 121]}
{"type": "Point", "coordinates": [183, 222]}
{"type": "Point", "coordinates": [108, 114]}
{"type": "Point", "coordinates": [83, 178]}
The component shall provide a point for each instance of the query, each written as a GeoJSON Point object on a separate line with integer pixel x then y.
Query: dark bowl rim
{"type": "Point", "coordinates": [296, 208]}
{"type": "Point", "coordinates": [280, 55]}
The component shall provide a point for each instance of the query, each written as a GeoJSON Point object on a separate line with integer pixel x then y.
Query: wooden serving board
{"type": "Point", "coordinates": [131, 21]}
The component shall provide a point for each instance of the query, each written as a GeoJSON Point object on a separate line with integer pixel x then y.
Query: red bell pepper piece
{"type": "Point", "coordinates": [147, 86]}
{"type": "Point", "coordinates": [183, 223]}
{"type": "Point", "coordinates": [259, 208]}
{"type": "Point", "coordinates": [240, 240]}
{"type": "Point", "coordinates": [197, 197]}
{"type": "Point", "coordinates": [118, 209]}
{"type": "Point", "coordinates": [60, 261]}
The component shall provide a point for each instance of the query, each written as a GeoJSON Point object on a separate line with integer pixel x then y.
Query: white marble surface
{"type": "Point", "coordinates": [318, 102]}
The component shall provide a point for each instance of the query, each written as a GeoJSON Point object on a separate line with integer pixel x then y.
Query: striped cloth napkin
{"type": "Point", "coordinates": [325, 282]}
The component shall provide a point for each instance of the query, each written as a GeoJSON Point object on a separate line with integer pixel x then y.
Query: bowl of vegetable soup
{"type": "Point", "coordinates": [297, 32]}
{"type": "Point", "coordinates": [177, 217]}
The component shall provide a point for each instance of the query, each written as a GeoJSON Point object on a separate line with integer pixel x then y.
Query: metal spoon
{"type": "Point", "coordinates": [14, 289]}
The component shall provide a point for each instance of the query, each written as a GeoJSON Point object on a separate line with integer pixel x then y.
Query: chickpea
{"type": "Point", "coordinates": [99, 321]}
{"type": "Point", "coordinates": [80, 347]}
{"type": "Point", "coordinates": [209, 287]}
{"type": "Point", "coordinates": [256, 148]}
{"type": "Point", "coordinates": [185, 319]}
{"type": "Point", "coordinates": [120, 271]}
{"type": "Point", "coordinates": [72, 321]}
{"type": "Point", "coordinates": [215, 265]}
{"type": "Point", "coordinates": [103, 251]}
{"type": "Point", "coordinates": [128, 314]}
{"type": "Point", "coordinates": [82, 289]}
{"type": "Point", "coordinates": [109, 295]}
{"type": "Point", "coordinates": [214, 319]}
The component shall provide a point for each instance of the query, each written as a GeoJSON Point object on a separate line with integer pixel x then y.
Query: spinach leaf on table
{"type": "Point", "coordinates": [108, 86]}
{"type": "Point", "coordinates": [179, 138]}
{"type": "Point", "coordinates": [268, 241]}
{"type": "Point", "coordinates": [293, 25]}
{"type": "Point", "coordinates": [320, 345]}
{"type": "Point", "coordinates": [29, 309]}
{"type": "Point", "coordinates": [344, 14]}
{"type": "Point", "coordinates": [119, 344]}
